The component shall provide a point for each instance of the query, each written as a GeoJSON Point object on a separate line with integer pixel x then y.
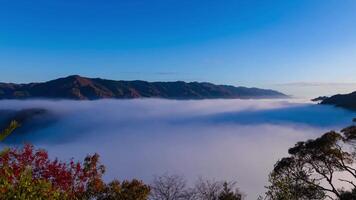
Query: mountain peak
{"type": "Point", "coordinates": [75, 76]}
{"type": "Point", "coordinates": [72, 79]}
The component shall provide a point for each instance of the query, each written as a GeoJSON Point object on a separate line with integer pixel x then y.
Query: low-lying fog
{"type": "Point", "coordinates": [215, 139]}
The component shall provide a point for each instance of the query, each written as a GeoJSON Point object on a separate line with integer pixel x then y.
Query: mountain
{"type": "Point", "coordinates": [319, 99]}
{"type": "Point", "coordinates": [342, 100]}
{"type": "Point", "coordinates": [82, 88]}
{"type": "Point", "coordinates": [29, 119]}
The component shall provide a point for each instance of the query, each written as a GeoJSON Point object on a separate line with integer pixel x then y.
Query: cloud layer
{"type": "Point", "coordinates": [217, 139]}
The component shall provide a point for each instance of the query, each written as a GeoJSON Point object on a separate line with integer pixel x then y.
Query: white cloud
{"type": "Point", "coordinates": [220, 139]}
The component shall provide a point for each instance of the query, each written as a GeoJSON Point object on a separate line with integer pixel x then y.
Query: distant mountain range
{"type": "Point", "coordinates": [82, 88]}
{"type": "Point", "coordinates": [342, 100]}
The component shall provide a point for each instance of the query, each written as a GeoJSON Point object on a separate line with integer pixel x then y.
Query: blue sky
{"type": "Point", "coordinates": [240, 42]}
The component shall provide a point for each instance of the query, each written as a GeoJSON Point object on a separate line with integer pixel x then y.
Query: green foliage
{"type": "Point", "coordinates": [127, 190]}
{"type": "Point", "coordinates": [5, 133]}
{"type": "Point", "coordinates": [26, 188]}
{"type": "Point", "coordinates": [285, 186]}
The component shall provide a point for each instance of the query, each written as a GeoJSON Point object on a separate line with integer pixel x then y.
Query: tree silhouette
{"type": "Point", "coordinates": [310, 172]}
{"type": "Point", "coordinates": [173, 187]}
{"type": "Point", "coordinates": [169, 187]}
{"type": "Point", "coordinates": [228, 194]}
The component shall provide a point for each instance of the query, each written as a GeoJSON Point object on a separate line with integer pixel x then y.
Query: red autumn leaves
{"type": "Point", "coordinates": [74, 179]}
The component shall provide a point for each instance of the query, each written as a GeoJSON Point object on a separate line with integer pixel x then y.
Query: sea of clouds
{"type": "Point", "coordinates": [235, 140]}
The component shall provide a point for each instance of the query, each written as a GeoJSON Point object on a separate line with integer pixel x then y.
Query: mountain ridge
{"type": "Point", "coordinates": [347, 101]}
{"type": "Point", "coordinates": [83, 88]}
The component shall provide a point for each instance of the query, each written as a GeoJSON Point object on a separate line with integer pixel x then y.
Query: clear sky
{"type": "Point", "coordinates": [239, 42]}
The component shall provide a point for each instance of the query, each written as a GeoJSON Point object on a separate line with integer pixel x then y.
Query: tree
{"type": "Point", "coordinates": [285, 185]}
{"type": "Point", "coordinates": [128, 190]}
{"type": "Point", "coordinates": [27, 189]}
{"type": "Point", "coordinates": [310, 172]}
{"type": "Point", "coordinates": [216, 190]}
{"type": "Point", "coordinates": [173, 187]}
{"type": "Point", "coordinates": [207, 189]}
{"type": "Point", "coordinates": [170, 187]}
{"type": "Point", "coordinates": [73, 179]}
{"type": "Point", "coordinates": [28, 173]}
{"type": "Point", "coordinates": [228, 194]}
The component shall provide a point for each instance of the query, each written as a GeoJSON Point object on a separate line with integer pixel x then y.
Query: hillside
{"type": "Point", "coordinates": [28, 119]}
{"type": "Point", "coordinates": [342, 100]}
{"type": "Point", "coordinates": [82, 88]}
